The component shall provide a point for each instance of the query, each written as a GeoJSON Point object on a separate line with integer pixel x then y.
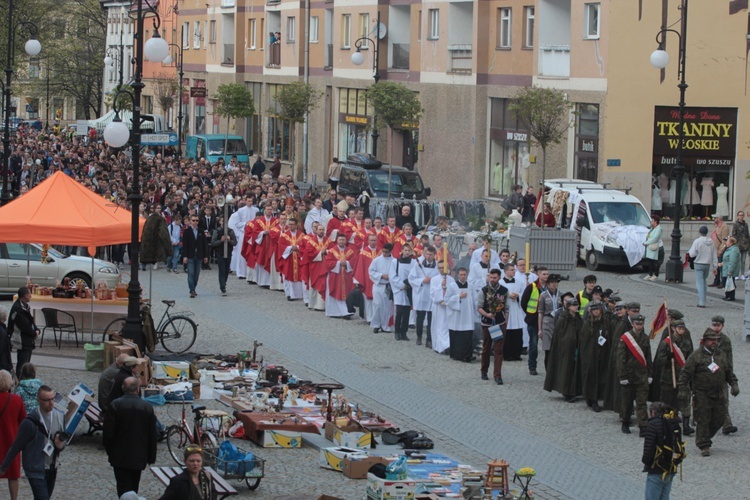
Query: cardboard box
{"type": "Point", "coordinates": [381, 489]}
{"type": "Point", "coordinates": [143, 371]}
{"type": "Point", "coordinates": [280, 439]}
{"type": "Point", "coordinates": [78, 401]}
{"type": "Point", "coordinates": [348, 436]}
{"type": "Point", "coordinates": [333, 458]}
{"type": "Point", "coordinates": [109, 351]}
{"type": "Point", "coordinates": [171, 369]}
{"type": "Point", "coordinates": [357, 468]}
{"type": "Point", "coordinates": [123, 349]}
{"type": "Point", "coordinates": [135, 347]}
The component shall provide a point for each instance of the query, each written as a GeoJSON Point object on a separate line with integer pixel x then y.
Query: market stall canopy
{"type": "Point", "coordinates": [62, 211]}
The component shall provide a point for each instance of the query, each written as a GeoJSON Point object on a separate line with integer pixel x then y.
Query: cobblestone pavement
{"type": "Point", "coordinates": [577, 453]}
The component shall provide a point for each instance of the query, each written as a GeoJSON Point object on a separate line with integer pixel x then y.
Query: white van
{"type": "Point", "coordinates": [611, 224]}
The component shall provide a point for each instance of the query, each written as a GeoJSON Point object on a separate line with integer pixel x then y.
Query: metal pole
{"type": "Point", "coordinates": [674, 265]}
{"type": "Point", "coordinates": [132, 328]}
{"type": "Point", "coordinates": [179, 114]}
{"type": "Point", "coordinates": [47, 114]}
{"type": "Point", "coordinates": [5, 196]}
{"type": "Point", "coordinates": [376, 76]}
{"type": "Point", "coordinates": [305, 126]}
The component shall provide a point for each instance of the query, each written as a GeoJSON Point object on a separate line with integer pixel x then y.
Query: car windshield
{"type": "Point", "coordinates": [401, 182]}
{"type": "Point", "coordinates": [234, 147]}
{"type": "Point", "coordinates": [626, 213]}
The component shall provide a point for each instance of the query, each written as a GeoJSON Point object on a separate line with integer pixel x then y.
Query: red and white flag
{"type": "Point", "coordinates": [634, 348]}
{"type": "Point", "coordinates": [676, 351]}
{"type": "Point", "coordinates": [660, 321]}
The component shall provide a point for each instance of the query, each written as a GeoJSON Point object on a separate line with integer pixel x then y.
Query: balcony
{"type": "Point", "coordinates": [554, 61]}
{"type": "Point", "coordinates": [329, 56]}
{"type": "Point", "coordinates": [460, 59]}
{"type": "Point", "coordinates": [228, 58]}
{"type": "Point", "coordinates": [274, 56]}
{"type": "Point", "coordinates": [400, 56]}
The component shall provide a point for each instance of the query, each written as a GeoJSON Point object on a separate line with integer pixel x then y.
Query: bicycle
{"type": "Point", "coordinates": [181, 435]}
{"type": "Point", "coordinates": [177, 333]}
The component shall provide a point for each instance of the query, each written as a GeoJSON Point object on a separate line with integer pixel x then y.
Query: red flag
{"type": "Point", "coordinates": [660, 321]}
{"type": "Point", "coordinates": [676, 351]}
{"type": "Point", "coordinates": [539, 206]}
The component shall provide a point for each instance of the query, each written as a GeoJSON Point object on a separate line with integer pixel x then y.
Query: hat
{"type": "Point", "coordinates": [638, 317]}
{"type": "Point", "coordinates": [718, 319]}
{"type": "Point", "coordinates": [608, 292]}
{"type": "Point", "coordinates": [710, 335]}
{"type": "Point", "coordinates": [571, 302]}
{"type": "Point", "coordinates": [595, 304]}
{"type": "Point", "coordinates": [553, 277]}
{"type": "Point", "coordinates": [620, 304]}
{"type": "Point", "coordinates": [703, 230]}
{"type": "Point", "coordinates": [130, 361]}
{"type": "Point", "coordinates": [290, 202]}
{"type": "Point", "coordinates": [342, 206]}
{"type": "Point", "coordinates": [634, 306]}
{"type": "Point", "coordinates": [615, 299]}
{"type": "Point", "coordinates": [597, 289]}
{"type": "Point", "coordinates": [675, 314]}
{"type": "Point", "coordinates": [677, 322]}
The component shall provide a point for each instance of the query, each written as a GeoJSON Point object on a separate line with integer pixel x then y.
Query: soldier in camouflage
{"type": "Point", "coordinates": [725, 345]}
{"type": "Point", "coordinates": [665, 358]}
{"type": "Point", "coordinates": [634, 370]}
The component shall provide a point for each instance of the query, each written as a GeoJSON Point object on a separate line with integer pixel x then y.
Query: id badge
{"type": "Point", "coordinates": [49, 449]}
{"type": "Point", "coordinates": [602, 340]}
{"type": "Point", "coordinates": [713, 367]}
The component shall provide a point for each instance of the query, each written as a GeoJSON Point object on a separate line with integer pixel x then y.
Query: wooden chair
{"type": "Point", "coordinates": [95, 418]}
{"type": "Point", "coordinates": [52, 319]}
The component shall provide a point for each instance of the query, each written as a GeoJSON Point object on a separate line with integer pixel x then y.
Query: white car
{"type": "Point", "coordinates": [17, 260]}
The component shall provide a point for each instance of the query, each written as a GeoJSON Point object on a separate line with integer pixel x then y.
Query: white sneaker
{"type": "Point", "coordinates": [647, 278]}
{"type": "Point", "coordinates": [156, 267]}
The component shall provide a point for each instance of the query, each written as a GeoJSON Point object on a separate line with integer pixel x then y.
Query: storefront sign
{"type": "Point", "coordinates": [707, 133]}
{"type": "Point", "coordinates": [197, 92]}
{"type": "Point", "coordinates": [511, 135]}
{"type": "Point", "coordinates": [360, 120]}
{"type": "Point", "coordinates": [587, 146]}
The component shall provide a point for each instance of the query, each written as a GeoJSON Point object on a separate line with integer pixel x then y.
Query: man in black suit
{"type": "Point", "coordinates": [206, 225]}
{"type": "Point", "coordinates": [331, 201]}
{"type": "Point", "coordinates": [130, 437]}
{"type": "Point", "coordinates": [194, 252]}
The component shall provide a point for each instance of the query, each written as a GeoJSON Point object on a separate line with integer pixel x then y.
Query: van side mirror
{"type": "Point", "coordinates": [428, 191]}
{"type": "Point", "coordinates": [582, 222]}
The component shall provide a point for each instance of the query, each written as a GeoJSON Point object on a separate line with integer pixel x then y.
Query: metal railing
{"type": "Point", "coordinates": [400, 56]}
{"type": "Point", "coordinates": [460, 59]}
{"type": "Point", "coordinates": [274, 55]}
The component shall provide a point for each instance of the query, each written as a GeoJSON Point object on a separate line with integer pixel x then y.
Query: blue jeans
{"type": "Point", "coordinates": [194, 272]}
{"type": "Point", "coordinates": [42, 488]}
{"type": "Point", "coordinates": [701, 277]}
{"type": "Point", "coordinates": [658, 489]}
{"type": "Point", "coordinates": [533, 344]}
{"type": "Point", "coordinates": [173, 262]}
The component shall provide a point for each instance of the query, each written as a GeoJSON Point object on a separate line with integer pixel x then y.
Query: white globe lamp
{"type": "Point", "coordinates": [33, 47]}
{"type": "Point", "coordinates": [108, 61]}
{"type": "Point", "coordinates": [156, 49]}
{"type": "Point", "coordinates": [168, 59]}
{"type": "Point", "coordinates": [116, 134]}
{"type": "Point", "coordinates": [358, 58]}
{"type": "Point", "coordinates": [659, 59]}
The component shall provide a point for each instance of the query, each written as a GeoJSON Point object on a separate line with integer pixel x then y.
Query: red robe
{"type": "Point", "coordinates": [247, 251]}
{"type": "Point", "coordinates": [264, 251]}
{"type": "Point", "coordinates": [291, 267]}
{"type": "Point", "coordinates": [362, 269]}
{"type": "Point", "coordinates": [341, 283]}
{"type": "Point", "coordinates": [341, 225]}
{"type": "Point", "coordinates": [275, 235]}
{"type": "Point", "coordinates": [401, 241]}
{"type": "Point", "coordinates": [439, 258]}
{"type": "Point", "coordinates": [317, 269]}
{"type": "Point", "coordinates": [304, 265]}
{"type": "Point", "coordinates": [386, 236]}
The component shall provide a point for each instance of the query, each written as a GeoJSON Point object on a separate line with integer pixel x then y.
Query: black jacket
{"type": "Point", "coordinates": [216, 238]}
{"type": "Point", "coordinates": [130, 433]}
{"type": "Point", "coordinates": [258, 168]}
{"type": "Point", "coordinates": [22, 327]}
{"type": "Point", "coordinates": [192, 248]}
{"type": "Point", "coordinates": [6, 362]}
{"type": "Point", "coordinates": [657, 432]}
{"type": "Point", "coordinates": [116, 390]}
{"type": "Point", "coordinates": [156, 246]}
{"type": "Point", "coordinates": [181, 488]}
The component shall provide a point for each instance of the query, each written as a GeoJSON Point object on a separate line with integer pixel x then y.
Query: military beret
{"type": "Point", "coordinates": [634, 306]}
{"type": "Point", "coordinates": [710, 335]}
{"type": "Point", "coordinates": [678, 322]}
{"type": "Point", "coordinates": [675, 314]}
{"type": "Point", "coordinates": [638, 317]}
{"type": "Point", "coordinates": [718, 319]}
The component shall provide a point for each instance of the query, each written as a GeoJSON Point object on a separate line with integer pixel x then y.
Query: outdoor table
{"type": "Point", "coordinates": [104, 310]}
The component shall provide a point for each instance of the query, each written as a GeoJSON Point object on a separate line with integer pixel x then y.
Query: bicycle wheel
{"type": "Point", "coordinates": [115, 327]}
{"type": "Point", "coordinates": [178, 334]}
{"type": "Point", "coordinates": [252, 482]}
{"type": "Point", "coordinates": [210, 445]}
{"type": "Point", "coordinates": [177, 440]}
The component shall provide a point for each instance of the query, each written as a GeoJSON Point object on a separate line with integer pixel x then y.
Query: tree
{"type": "Point", "coordinates": [547, 115]}
{"type": "Point", "coordinates": [165, 88]}
{"type": "Point", "coordinates": [294, 102]}
{"type": "Point", "coordinates": [234, 100]}
{"type": "Point", "coordinates": [124, 101]}
{"type": "Point", "coordinates": [396, 106]}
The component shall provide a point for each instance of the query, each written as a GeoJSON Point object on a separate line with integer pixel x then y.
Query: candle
{"type": "Point", "coordinates": [445, 258]}
{"type": "Point", "coordinates": [528, 262]}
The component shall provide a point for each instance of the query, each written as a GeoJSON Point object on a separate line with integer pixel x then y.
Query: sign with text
{"type": "Point", "coordinates": [197, 91]}
{"type": "Point", "coordinates": [167, 139]}
{"type": "Point", "coordinates": [707, 133]}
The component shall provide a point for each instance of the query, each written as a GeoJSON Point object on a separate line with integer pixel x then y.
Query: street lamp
{"type": "Point", "coordinates": [118, 56]}
{"type": "Point", "coordinates": [168, 60]}
{"type": "Point", "coordinates": [32, 48]}
{"type": "Point", "coordinates": [660, 59]}
{"type": "Point", "coordinates": [358, 58]}
{"type": "Point", "coordinates": [116, 134]}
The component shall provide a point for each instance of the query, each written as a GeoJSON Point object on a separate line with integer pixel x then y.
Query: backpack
{"type": "Point", "coordinates": [670, 448]}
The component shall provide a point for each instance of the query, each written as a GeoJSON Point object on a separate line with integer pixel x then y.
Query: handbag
{"type": "Point", "coordinates": [496, 332]}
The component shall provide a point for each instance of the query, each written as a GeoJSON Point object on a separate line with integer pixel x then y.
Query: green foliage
{"type": "Point", "coordinates": [166, 89]}
{"type": "Point", "coordinates": [297, 99]}
{"type": "Point", "coordinates": [124, 101]}
{"type": "Point", "coordinates": [394, 104]}
{"type": "Point", "coordinates": [546, 113]}
{"type": "Point", "coordinates": [234, 100]}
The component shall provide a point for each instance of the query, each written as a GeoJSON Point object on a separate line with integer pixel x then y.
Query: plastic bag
{"type": "Point", "coordinates": [156, 400]}
{"type": "Point", "coordinates": [181, 391]}
{"type": "Point", "coordinates": [397, 471]}
{"type": "Point", "coordinates": [232, 461]}
{"type": "Point", "coordinates": [237, 430]}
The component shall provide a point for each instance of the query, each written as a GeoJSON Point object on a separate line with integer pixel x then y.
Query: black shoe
{"type": "Point", "coordinates": [686, 429]}
{"type": "Point", "coordinates": [729, 430]}
{"type": "Point", "coordinates": [428, 344]}
{"type": "Point", "coordinates": [499, 381]}
{"type": "Point", "coordinates": [525, 351]}
{"type": "Point", "coordinates": [589, 403]}
{"type": "Point", "coordinates": [595, 407]}
{"type": "Point", "coordinates": [641, 432]}
{"type": "Point", "coordinates": [470, 359]}
{"type": "Point", "coordinates": [625, 428]}
{"type": "Point", "coordinates": [569, 399]}
{"type": "Point", "coordinates": [533, 372]}
{"type": "Point", "coordinates": [376, 330]}
{"type": "Point", "coordinates": [397, 335]}
{"type": "Point", "coordinates": [347, 318]}
{"type": "Point", "coordinates": [485, 377]}
{"type": "Point", "coordinates": [404, 337]}
{"type": "Point", "coordinates": [419, 341]}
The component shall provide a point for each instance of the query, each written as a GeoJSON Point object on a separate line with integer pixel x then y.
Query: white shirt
{"type": "Point", "coordinates": [476, 258]}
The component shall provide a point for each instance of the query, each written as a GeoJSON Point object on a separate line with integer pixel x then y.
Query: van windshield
{"type": "Point", "coordinates": [234, 147]}
{"type": "Point", "coordinates": [401, 182]}
{"type": "Point", "coordinates": [631, 214]}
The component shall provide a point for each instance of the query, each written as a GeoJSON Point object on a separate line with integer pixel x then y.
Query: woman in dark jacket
{"type": "Point", "coordinates": [6, 362]}
{"type": "Point", "coordinates": [193, 483]}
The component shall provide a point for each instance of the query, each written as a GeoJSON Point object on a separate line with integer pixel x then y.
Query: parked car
{"type": "Point", "coordinates": [363, 173]}
{"type": "Point", "coordinates": [13, 267]}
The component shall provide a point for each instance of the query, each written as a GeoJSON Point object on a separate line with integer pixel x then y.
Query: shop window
{"type": "Point", "coordinates": [509, 150]}
{"type": "Point", "coordinates": [279, 138]}
{"type": "Point", "coordinates": [200, 120]}
{"type": "Point", "coordinates": [587, 142]}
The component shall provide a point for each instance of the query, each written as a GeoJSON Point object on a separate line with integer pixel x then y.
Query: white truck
{"type": "Point", "coordinates": [611, 224]}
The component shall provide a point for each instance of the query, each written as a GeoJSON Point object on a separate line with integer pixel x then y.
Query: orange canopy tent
{"type": "Point", "coordinates": [62, 211]}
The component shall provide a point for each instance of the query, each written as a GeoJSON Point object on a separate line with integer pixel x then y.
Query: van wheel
{"type": "Point", "coordinates": [592, 260]}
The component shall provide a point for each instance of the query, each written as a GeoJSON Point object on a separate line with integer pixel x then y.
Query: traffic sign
{"type": "Point", "coordinates": [163, 139]}
{"type": "Point", "coordinates": [29, 108]}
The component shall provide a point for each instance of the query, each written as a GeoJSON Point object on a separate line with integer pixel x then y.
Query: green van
{"type": "Point", "coordinates": [211, 147]}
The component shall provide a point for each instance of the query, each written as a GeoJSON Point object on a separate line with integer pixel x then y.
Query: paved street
{"type": "Point", "coordinates": [577, 453]}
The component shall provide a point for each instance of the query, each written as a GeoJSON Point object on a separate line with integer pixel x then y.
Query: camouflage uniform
{"type": "Point", "coordinates": [628, 368]}
{"type": "Point", "coordinates": [709, 391]}
{"type": "Point", "coordinates": [725, 346]}
{"type": "Point", "coordinates": [664, 356]}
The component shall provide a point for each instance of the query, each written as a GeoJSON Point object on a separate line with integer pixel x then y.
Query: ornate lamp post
{"type": "Point", "coordinates": [660, 59]}
{"type": "Point", "coordinates": [358, 58]}
{"type": "Point", "coordinates": [116, 134]}
{"type": "Point", "coordinates": [168, 60]}
{"type": "Point", "coordinates": [116, 56]}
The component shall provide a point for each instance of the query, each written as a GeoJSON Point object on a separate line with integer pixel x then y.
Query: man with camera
{"type": "Point", "coordinates": [41, 437]}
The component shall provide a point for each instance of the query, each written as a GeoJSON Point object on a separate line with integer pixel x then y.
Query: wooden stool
{"type": "Point", "coordinates": [497, 477]}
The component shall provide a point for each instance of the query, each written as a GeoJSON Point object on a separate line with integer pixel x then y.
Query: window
{"type": "Point", "coordinates": [197, 35]}
{"type": "Point", "coordinates": [434, 17]}
{"type": "Point", "coordinates": [364, 30]}
{"type": "Point", "coordinates": [34, 67]}
{"type": "Point", "coordinates": [185, 35]}
{"type": "Point", "coordinates": [251, 34]}
{"type": "Point", "coordinates": [314, 24]}
{"type": "Point", "coordinates": [587, 142]}
{"type": "Point", "coordinates": [290, 29]}
{"type": "Point", "coordinates": [591, 21]}
{"type": "Point", "coordinates": [504, 32]}
{"type": "Point", "coordinates": [528, 28]}
{"type": "Point", "coordinates": [346, 31]}
{"type": "Point", "coordinates": [508, 149]}
{"type": "Point", "coordinates": [212, 31]}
